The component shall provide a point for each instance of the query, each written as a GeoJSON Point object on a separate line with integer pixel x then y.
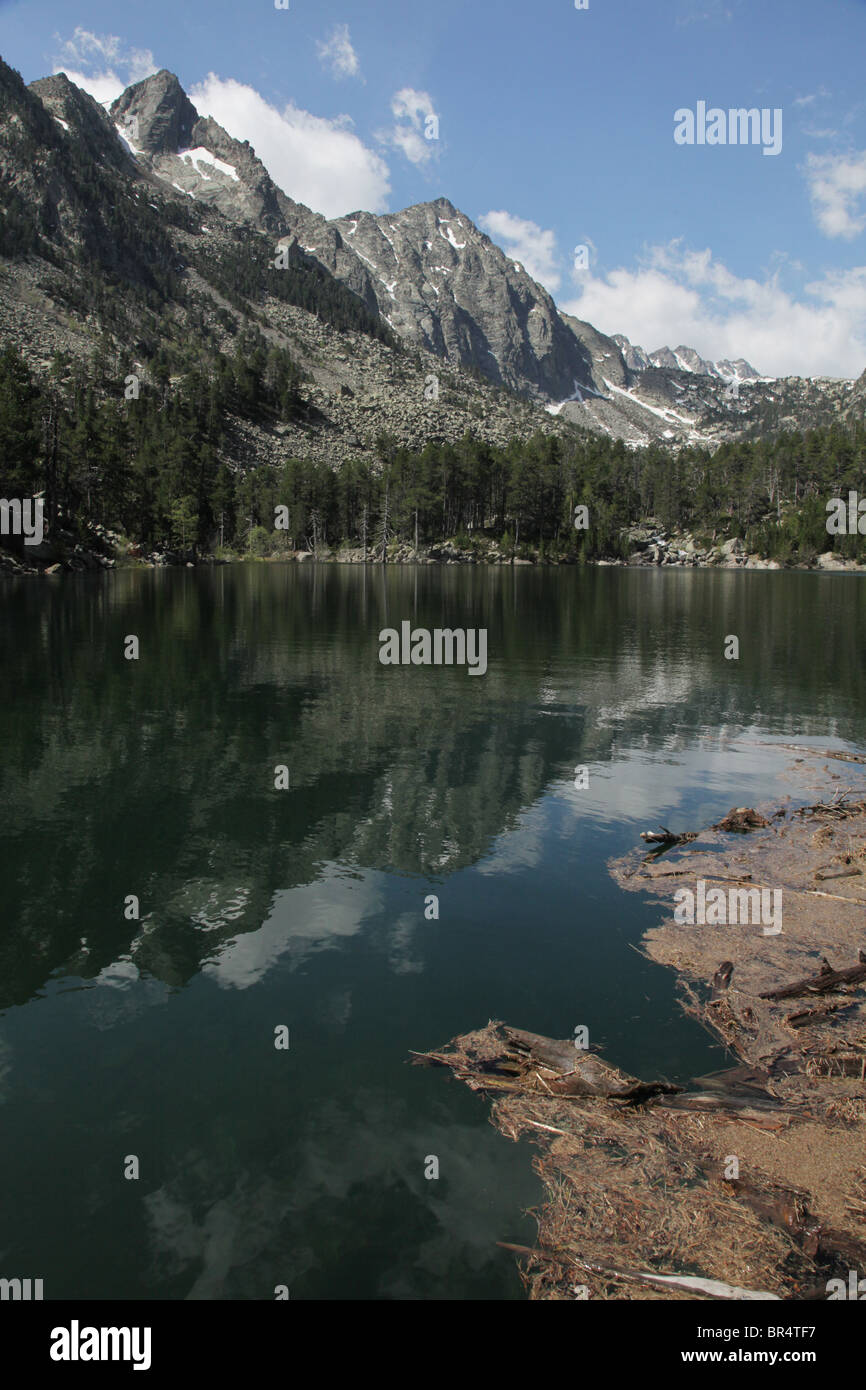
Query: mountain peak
{"type": "Point", "coordinates": [683, 359]}
{"type": "Point", "coordinates": [157, 114]}
{"type": "Point", "coordinates": [80, 115]}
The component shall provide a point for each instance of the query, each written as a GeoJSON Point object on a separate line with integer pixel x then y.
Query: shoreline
{"type": "Point", "coordinates": [94, 562]}
{"type": "Point", "coordinates": [750, 1183]}
{"type": "Point", "coordinates": [644, 545]}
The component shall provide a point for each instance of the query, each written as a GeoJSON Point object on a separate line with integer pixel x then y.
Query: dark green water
{"type": "Point", "coordinates": [305, 907]}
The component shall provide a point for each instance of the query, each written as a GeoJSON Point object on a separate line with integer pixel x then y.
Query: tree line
{"type": "Point", "coordinates": [155, 462]}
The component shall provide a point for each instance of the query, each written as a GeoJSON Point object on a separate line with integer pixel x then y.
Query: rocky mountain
{"type": "Point", "coordinates": [443, 285]}
{"type": "Point", "coordinates": [161, 128]}
{"type": "Point", "coordinates": [176, 213]}
{"type": "Point", "coordinates": [433, 276]}
{"type": "Point", "coordinates": [99, 250]}
{"type": "Point", "coordinates": [684, 359]}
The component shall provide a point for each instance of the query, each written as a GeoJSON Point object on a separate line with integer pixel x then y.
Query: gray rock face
{"type": "Point", "coordinates": [157, 114]}
{"type": "Point", "coordinates": [438, 281]}
{"type": "Point", "coordinates": [634, 357]}
{"type": "Point", "coordinates": [606, 362]}
{"type": "Point", "coordinates": [443, 285]}
{"type": "Point", "coordinates": [739, 369]}
{"type": "Point", "coordinates": [76, 111]}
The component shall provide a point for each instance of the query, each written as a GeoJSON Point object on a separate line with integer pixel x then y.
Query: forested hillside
{"type": "Point", "coordinates": [151, 468]}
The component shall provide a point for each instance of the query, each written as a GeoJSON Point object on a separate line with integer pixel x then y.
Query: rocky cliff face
{"type": "Point", "coordinates": [445, 286]}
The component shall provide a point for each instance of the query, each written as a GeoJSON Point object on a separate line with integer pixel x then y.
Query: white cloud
{"type": "Point", "coordinates": [526, 242]}
{"type": "Point", "coordinates": [415, 116]}
{"type": "Point", "coordinates": [681, 296]}
{"type": "Point", "coordinates": [320, 162]}
{"type": "Point", "coordinates": [837, 184]}
{"type": "Point", "coordinates": [101, 64]}
{"type": "Point", "coordinates": [811, 97]}
{"type": "Point", "coordinates": [713, 12]}
{"type": "Point", "coordinates": [820, 132]}
{"type": "Point", "coordinates": [339, 54]}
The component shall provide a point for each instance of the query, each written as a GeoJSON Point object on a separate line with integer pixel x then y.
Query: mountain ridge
{"type": "Point", "coordinates": [447, 291]}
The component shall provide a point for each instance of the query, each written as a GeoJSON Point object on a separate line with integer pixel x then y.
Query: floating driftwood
{"type": "Point", "coordinates": [663, 836]}
{"type": "Point", "coordinates": [630, 1176]}
{"type": "Point", "coordinates": [741, 820]}
{"type": "Point", "coordinates": [530, 1061]}
{"type": "Point", "coordinates": [750, 1183]}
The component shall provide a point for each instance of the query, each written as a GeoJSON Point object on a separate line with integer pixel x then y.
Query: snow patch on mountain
{"type": "Point", "coordinates": [126, 142]}
{"type": "Point", "coordinates": [448, 235]}
{"type": "Point", "coordinates": [200, 156]}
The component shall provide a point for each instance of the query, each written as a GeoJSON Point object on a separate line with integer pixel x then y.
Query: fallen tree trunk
{"type": "Point", "coordinates": [827, 979]}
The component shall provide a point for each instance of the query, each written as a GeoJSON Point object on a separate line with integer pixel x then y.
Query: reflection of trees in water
{"type": "Point", "coordinates": [156, 777]}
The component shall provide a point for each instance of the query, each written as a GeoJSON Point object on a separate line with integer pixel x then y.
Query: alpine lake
{"type": "Point", "coordinates": [211, 985]}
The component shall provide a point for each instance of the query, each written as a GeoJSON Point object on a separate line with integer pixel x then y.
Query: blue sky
{"type": "Point", "coordinates": [555, 129]}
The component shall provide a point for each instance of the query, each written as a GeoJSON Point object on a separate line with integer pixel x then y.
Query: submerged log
{"type": "Point", "coordinates": [765, 1115]}
{"type": "Point", "coordinates": [781, 1206]}
{"type": "Point", "coordinates": [822, 875]}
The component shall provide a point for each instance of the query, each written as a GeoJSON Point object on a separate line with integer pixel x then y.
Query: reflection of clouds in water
{"type": "Point", "coordinates": [468, 1224]}
{"type": "Point", "coordinates": [302, 920]}
{"type": "Point", "coordinates": [110, 998]}
{"type": "Point", "coordinates": [348, 1171]}
{"type": "Point", "coordinates": [400, 936]}
{"type": "Point", "coordinates": [337, 1010]}
{"type": "Point", "coordinates": [235, 1230]}
{"type": "Point", "coordinates": [374, 1143]}
{"type": "Point", "coordinates": [633, 788]}
{"type": "Point", "coordinates": [520, 848]}
{"type": "Point", "coordinates": [118, 975]}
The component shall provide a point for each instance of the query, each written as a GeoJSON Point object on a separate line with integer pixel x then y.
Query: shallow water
{"type": "Point", "coordinates": [306, 907]}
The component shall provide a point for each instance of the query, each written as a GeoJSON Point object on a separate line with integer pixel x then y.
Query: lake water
{"type": "Point", "coordinates": [305, 907]}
